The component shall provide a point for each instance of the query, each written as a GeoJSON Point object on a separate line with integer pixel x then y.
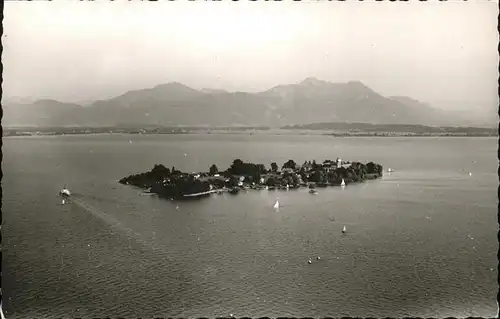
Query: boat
{"type": "Point", "coordinates": [277, 204]}
{"type": "Point", "coordinates": [344, 229]}
{"type": "Point", "coordinates": [390, 170]}
{"type": "Point", "coordinates": [234, 190]}
{"type": "Point", "coordinates": [342, 183]}
{"type": "Point", "coordinates": [313, 191]}
{"type": "Point", "coordinates": [65, 192]}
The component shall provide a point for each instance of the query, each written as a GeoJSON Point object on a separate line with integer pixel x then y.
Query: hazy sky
{"type": "Point", "coordinates": [89, 50]}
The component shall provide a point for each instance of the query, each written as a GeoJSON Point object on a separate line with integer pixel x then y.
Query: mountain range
{"type": "Point", "coordinates": [172, 104]}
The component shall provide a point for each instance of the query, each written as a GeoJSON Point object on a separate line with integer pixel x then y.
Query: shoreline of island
{"type": "Point", "coordinates": [174, 184]}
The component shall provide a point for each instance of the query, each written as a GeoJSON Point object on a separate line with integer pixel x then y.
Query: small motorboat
{"type": "Point", "coordinates": [390, 170]}
{"type": "Point", "coordinates": [309, 261]}
{"type": "Point", "coordinates": [313, 191]}
{"type": "Point", "coordinates": [65, 192]}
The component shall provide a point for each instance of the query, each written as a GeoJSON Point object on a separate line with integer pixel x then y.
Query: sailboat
{"type": "Point", "coordinates": [344, 229]}
{"type": "Point", "coordinates": [277, 204]}
{"type": "Point", "coordinates": [343, 183]}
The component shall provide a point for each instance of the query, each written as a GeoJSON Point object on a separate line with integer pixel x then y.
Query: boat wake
{"type": "Point", "coordinates": [109, 220]}
{"type": "Point", "coordinates": [132, 236]}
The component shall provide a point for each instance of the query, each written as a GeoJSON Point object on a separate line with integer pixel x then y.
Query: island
{"type": "Point", "coordinates": [174, 184]}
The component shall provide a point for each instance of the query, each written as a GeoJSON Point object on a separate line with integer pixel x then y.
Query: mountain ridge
{"type": "Point", "coordinates": [308, 101]}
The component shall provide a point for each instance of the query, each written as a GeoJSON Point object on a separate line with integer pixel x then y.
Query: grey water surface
{"type": "Point", "coordinates": [421, 241]}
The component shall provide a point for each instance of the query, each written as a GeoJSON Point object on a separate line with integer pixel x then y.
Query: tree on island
{"type": "Point", "coordinates": [374, 168]}
{"type": "Point", "coordinates": [174, 171]}
{"type": "Point", "coordinates": [332, 177]}
{"type": "Point", "coordinates": [271, 181]}
{"type": "Point", "coordinates": [160, 171]}
{"type": "Point", "coordinates": [303, 175]}
{"type": "Point", "coordinates": [341, 172]}
{"type": "Point", "coordinates": [314, 165]}
{"type": "Point", "coordinates": [261, 168]}
{"type": "Point", "coordinates": [318, 176]}
{"type": "Point", "coordinates": [213, 170]}
{"type": "Point", "coordinates": [237, 167]}
{"type": "Point", "coordinates": [253, 171]}
{"type": "Point", "coordinates": [274, 167]}
{"type": "Point", "coordinates": [290, 164]}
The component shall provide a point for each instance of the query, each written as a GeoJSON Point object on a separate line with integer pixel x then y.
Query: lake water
{"type": "Point", "coordinates": [421, 241]}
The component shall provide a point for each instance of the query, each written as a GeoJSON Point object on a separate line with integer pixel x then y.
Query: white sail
{"type": "Point", "coordinates": [343, 182]}
{"type": "Point", "coordinates": [277, 204]}
{"type": "Point", "coordinates": [344, 229]}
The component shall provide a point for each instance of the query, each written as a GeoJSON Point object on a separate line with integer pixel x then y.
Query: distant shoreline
{"type": "Point", "coordinates": [453, 132]}
{"type": "Point", "coordinates": [385, 134]}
